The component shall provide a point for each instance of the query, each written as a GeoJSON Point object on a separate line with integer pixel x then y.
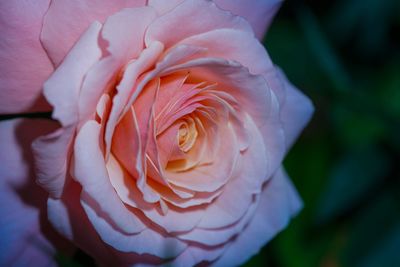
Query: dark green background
{"type": "Point", "coordinates": [345, 55]}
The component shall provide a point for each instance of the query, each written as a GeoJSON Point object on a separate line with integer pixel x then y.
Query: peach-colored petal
{"type": "Point", "coordinates": [66, 20]}
{"type": "Point", "coordinates": [25, 238]}
{"type": "Point", "coordinates": [24, 65]}
{"type": "Point", "coordinates": [279, 202]}
{"type": "Point", "coordinates": [210, 177]}
{"type": "Point", "coordinates": [258, 12]}
{"type": "Point", "coordinates": [90, 171]}
{"type": "Point", "coordinates": [253, 173]}
{"type": "Point", "coordinates": [127, 143]}
{"type": "Point", "coordinates": [174, 56]}
{"type": "Point", "coordinates": [132, 72]}
{"type": "Point", "coordinates": [192, 13]}
{"type": "Point", "coordinates": [253, 94]}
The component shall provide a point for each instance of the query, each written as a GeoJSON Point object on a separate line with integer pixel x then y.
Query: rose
{"type": "Point", "coordinates": [126, 169]}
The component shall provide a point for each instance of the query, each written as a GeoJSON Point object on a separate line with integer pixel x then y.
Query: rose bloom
{"type": "Point", "coordinates": [171, 126]}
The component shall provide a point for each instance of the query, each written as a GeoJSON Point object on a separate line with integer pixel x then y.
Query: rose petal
{"type": "Point", "coordinates": [279, 202]}
{"type": "Point", "coordinates": [296, 111]}
{"type": "Point", "coordinates": [219, 236]}
{"type": "Point", "coordinates": [66, 20]}
{"type": "Point", "coordinates": [25, 238]}
{"type": "Point", "coordinates": [242, 47]}
{"type": "Point", "coordinates": [163, 6]}
{"type": "Point", "coordinates": [62, 91]}
{"type": "Point", "coordinates": [210, 177]}
{"type": "Point", "coordinates": [63, 87]}
{"type": "Point", "coordinates": [173, 221]}
{"type": "Point", "coordinates": [90, 171]}
{"type": "Point", "coordinates": [253, 94]}
{"type": "Point", "coordinates": [68, 217]}
{"type": "Point", "coordinates": [20, 53]}
{"type": "Point", "coordinates": [146, 242]}
{"type": "Point", "coordinates": [259, 13]}
{"type": "Point", "coordinates": [194, 255]}
{"type": "Point", "coordinates": [193, 13]}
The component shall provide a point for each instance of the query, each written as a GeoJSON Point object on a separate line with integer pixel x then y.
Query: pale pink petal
{"type": "Point", "coordinates": [296, 111]}
{"type": "Point", "coordinates": [279, 202]}
{"type": "Point", "coordinates": [229, 207]}
{"type": "Point", "coordinates": [258, 12]}
{"type": "Point", "coordinates": [62, 91]}
{"type": "Point", "coordinates": [162, 6]}
{"type": "Point", "coordinates": [173, 221]}
{"type": "Point", "coordinates": [194, 255]}
{"type": "Point", "coordinates": [69, 219]}
{"type": "Point", "coordinates": [219, 236]}
{"type": "Point", "coordinates": [63, 87]}
{"type": "Point", "coordinates": [51, 159]}
{"type": "Point", "coordinates": [242, 47]}
{"type": "Point", "coordinates": [90, 171]}
{"type": "Point", "coordinates": [193, 14]}
{"type": "Point", "coordinates": [148, 241]}
{"type": "Point", "coordinates": [66, 20]}
{"type": "Point", "coordinates": [25, 237]}
{"type": "Point", "coordinates": [24, 65]}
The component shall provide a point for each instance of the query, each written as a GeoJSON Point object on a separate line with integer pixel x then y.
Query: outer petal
{"type": "Point", "coordinates": [62, 90]}
{"type": "Point", "coordinates": [90, 171]}
{"type": "Point", "coordinates": [25, 238]}
{"type": "Point", "coordinates": [69, 219]}
{"type": "Point", "coordinates": [66, 20]}
{"type": "Point", "coordinates": [278, 203]}
{"type": "Point", "coordinates": [296, 111]}
{"type": "Point", "coordinates": [192, 13]}
{"type": "Point", "coordinates": [20, 54]}
{"type": "Point", "coordinates": [258, 12]}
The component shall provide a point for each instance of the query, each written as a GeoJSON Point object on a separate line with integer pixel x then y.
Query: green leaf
{"type": "Point", "coordinates": [374, 236]}
{"type": "Point", "coordinates": [355, 175]}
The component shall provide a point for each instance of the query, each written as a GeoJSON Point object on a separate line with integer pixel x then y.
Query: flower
{"type": "Point", "coordinates": [173, 126]}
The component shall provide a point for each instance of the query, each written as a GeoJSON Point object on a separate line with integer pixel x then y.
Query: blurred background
{"type": "Point", "coordinates": [345, 55]}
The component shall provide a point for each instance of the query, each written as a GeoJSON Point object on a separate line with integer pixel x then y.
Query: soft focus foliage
{"type": "Point", "coordinates": [345, 55]}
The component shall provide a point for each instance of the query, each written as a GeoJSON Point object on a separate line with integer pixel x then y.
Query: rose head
{"type": "Point", "coordinates": [173, 126]}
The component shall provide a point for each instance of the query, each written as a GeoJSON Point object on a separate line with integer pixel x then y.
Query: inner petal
{"type": "Point", "coordinates": [187, 135]}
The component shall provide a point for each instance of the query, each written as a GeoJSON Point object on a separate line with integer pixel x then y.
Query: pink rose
{"type": "Point", "coordinates": [174, 123]}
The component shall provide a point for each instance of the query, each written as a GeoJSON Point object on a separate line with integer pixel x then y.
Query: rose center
{"type": "Point", "coordinates": [187, 135]}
